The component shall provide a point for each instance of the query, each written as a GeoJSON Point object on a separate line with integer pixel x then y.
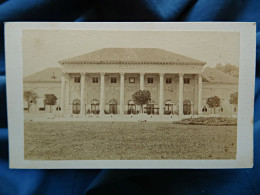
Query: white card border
{"type": "Point", "coordinates": [14, 85]}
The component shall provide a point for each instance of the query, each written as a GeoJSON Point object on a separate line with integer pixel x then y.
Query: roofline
{"type": "Point", "coordinates": [41, 81]}
{"type": "Point", "coordinates": [215, 82]}
{"type": "Point", "coordinates": [132, 62]}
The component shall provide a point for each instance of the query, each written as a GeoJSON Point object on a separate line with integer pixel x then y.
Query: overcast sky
{"type": "Point", "coordinates": [44, 48]}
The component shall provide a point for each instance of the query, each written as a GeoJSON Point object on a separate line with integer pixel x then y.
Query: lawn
{"type": "Point", "coordinates": [127, 140]}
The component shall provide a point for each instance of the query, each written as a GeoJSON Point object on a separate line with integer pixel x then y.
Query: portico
{"type": "Point", "coordinates": [111, 76]}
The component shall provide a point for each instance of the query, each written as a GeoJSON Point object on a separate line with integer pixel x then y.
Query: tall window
{"type": "Point", "coordinates": [95, 80]}
{"type": "Point", "coordinates": [150, 80]}
{"type": "Point", "coordinates": [186, 80]}
{"type": "Point", "coordinates": [77, 80]}
{"type": "Point", "coordinates": [168, 80]}
{"type": "Point", "coordinates": [76, 107]}
{"type": "Point", "coordinates": [113, 80]}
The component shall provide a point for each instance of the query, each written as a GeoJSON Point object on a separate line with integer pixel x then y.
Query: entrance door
{"type": "Point", "coordinates": [112, 108]}
{"type": "Point", "coordinates": [150, 109]}
{"type": "Point", "coordinates": [186, 107]}
{"type": "Point", "coordinates": [94, 108]}
{"type": "Point", "coordinates": [76, 107]}
{"type": "Point", "coordinates": [131, 107]}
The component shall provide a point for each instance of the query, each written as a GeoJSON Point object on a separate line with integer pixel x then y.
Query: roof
{"type": "Point", "coordinates": [214, 75]}
{"type": "Point", "coordinates": [209, 75]}
{"type": "Point", "coordinates": [46, 75]}
{"type": "Point", "coordinates": [131, 56]}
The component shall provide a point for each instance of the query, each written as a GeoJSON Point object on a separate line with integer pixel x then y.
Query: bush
{"type": "Point", "coordinates": [210, 121]}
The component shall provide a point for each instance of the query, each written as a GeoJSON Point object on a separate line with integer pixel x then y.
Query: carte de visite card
{"type": "Point", "coordinates": [130, 95]}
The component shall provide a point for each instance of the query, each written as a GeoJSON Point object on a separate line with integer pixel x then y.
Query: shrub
{"type": "Point", "coordinates": [210, 121]}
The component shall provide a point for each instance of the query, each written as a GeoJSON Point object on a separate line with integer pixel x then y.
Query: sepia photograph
{"type": "Point", "coordinates": [93, 94]}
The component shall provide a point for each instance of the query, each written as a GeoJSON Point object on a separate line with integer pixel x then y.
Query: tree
{"type": "Point", "coordinates": [30, 97]}
{"type": "Point", "coordinates": [213, 102]}
{"type": "Point", "coordinates": [141, 97]}
{"type": "Point", "coordinates": [50, 99]}
{"type": "Point", "coordinates": [230, 69]}
{"type": "Point", "coordinates": [234, 99]}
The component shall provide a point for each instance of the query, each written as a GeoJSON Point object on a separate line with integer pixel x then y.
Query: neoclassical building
{"type": "Point", "coordinates": [103, 82]}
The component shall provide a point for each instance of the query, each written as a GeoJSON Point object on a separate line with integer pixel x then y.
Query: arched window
{"type": "Point", "coordinates": [113, 106]}
{"type": "Point", "coordinates": [76, 106]}
{"type": "Point", "coordinates": [150, 107]}
{"type": "Point", "coordinates": [94, 106]}
{"type": "Point", "coordinates": [168, 107]}
{"type": "Point", "coordinates": [131, 107]}
{"type": "Point", "coordinates": [186, 107]}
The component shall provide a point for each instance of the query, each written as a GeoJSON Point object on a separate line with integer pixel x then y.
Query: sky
{"type": "Point", "coordinates": [44, 48]}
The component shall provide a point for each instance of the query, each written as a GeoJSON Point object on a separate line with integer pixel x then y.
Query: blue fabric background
{"type": "Point", "coordinates": [241, 181]}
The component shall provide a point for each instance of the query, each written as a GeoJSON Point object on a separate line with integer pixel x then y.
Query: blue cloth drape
{"type": "Point", "coordinates": [241, 181]}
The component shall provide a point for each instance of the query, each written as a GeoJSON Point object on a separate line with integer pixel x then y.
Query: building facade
{"type": "Point", "coordinates": [103, 82]}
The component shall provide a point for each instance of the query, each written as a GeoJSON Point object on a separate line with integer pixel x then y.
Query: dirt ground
{"type": "Point", "coordinates": [127, 140]}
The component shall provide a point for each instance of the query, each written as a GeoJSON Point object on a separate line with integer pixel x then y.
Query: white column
{"type": "Point", "coordinates": [122, 92]}
{"type": "Point", "coordinates": [141, 81]}
{"type": "Point", "coordinates": [62, 95]}
{"type": "Point", "coordinates": [82, 93]}
{"type": "Point", "coordinates": [67, 92]}
{"type": "Point", "coordinates": [102, 92]}
{"type": "Point", "coordinates": [161, 111]}
{"type": "Point", "coordinates": [180, 94]}
{"type": "Point", "coordinates": [200, 94]}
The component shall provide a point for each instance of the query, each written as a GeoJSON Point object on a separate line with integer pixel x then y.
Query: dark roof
{"type": "Point", "coordinates": [131, 56]}
{"type": "Point", "coordinates": [209, 75]}
{"type": "Point", "coordinates": [46, 75]}
{"type": "Point", "coordinates": [214, 75]}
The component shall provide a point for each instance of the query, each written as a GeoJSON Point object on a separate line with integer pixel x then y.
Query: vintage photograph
{"type": "Point", "coordinates": [130, 95]}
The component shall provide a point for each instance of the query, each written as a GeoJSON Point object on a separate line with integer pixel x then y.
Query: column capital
{"type": "Point", "coordinates": [200, 75]}
{"type": "Point", "coordinates": [102, 73]}
{"type": "Point", "coordinates": [181, 74]}
{"type": "Point", "coordinates": [161, 74]}
{"type": "Point", "coordinates": [142, 73]}
{"type": "Point", "coordinates": [83, 74]}
{"type": "Point", "coordinates": [122, 73]}
{"type": "Point", "coordinates": [64, 74]}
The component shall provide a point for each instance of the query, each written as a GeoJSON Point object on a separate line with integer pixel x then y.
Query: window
{"type": "Point", "coordinates": [94, 106]}
{"type": "Point", "coordinates": [168, 80]}
{"type": "Point", "coordinates": [95, 80]}
{"type": "Point", "coordinates": [76, 107]}
{"type": "Point", "coordinates": [113, 80]}
{"type": "Point", "coordinates": [186, 81]}
{"type": "Point", "coordinates": [131, 80]}
{"type": "Point", "coordinates": [77, 80]}
{"type": "Point", "coordinates": [150, 80]}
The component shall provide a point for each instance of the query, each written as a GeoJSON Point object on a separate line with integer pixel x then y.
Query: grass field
{"type": "Point", "coordinates": [127, 140]}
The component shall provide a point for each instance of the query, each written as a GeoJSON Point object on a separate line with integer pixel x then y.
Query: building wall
{"type": "Point", "coordinates": [42, 88]}
{"type": "Point", "coordinates": [112, 91]}
{"type": "Point", "coordinates": [223, 91]}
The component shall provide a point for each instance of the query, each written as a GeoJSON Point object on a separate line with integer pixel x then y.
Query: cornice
{"type": "Point", "coordinates": [131, 62]}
